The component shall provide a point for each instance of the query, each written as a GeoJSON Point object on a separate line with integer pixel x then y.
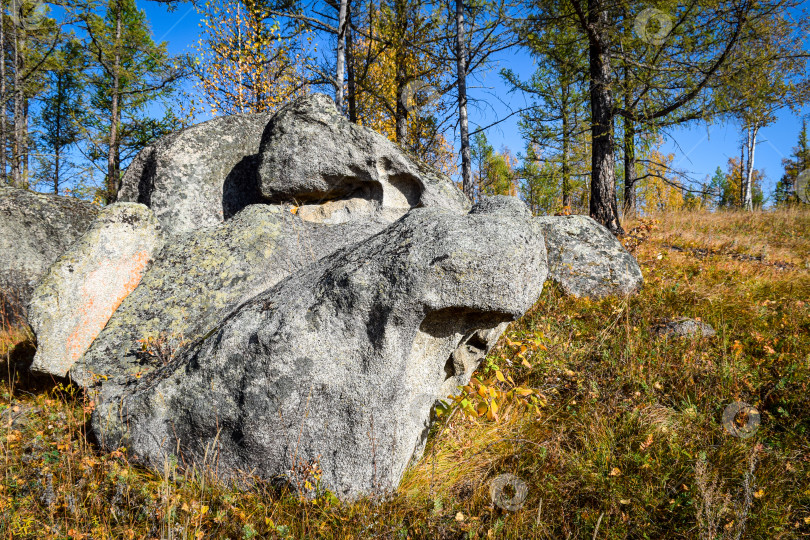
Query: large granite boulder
{"type": "Point", "coordinates": [35, 229]}
{"type": "Point", "coordinates": [326, 366]}
{"type": "Point", "coordinates": [585, 259]}
{"type": "Point", "coordinates": [311, 155]}
{"type": "Point", "coordinates": [85, 286]}
{"type": "Point", "coordinates": [198, 278]}
{"type": "Point", "coordinates": [199, 176]}
{"type": "Point", "coordinates": [307, 154]}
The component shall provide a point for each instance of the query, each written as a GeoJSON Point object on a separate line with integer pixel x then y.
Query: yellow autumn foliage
{"type": "Point", "coordinates": [245, 64]}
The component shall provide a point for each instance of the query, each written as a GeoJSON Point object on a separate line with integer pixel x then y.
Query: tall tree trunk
{"type": "Point", "coordinates": [341, 54]}
{"type": "Point", "coordinates": [112, 154]}
{"type": "Point", "coordinates": [741, 194]}
{"type": "Point", "coordinates": [629, 168]}
{"type": "Point", "coordinates": [350, 59]}
{"type": "Point", "coordinates": [461, 72]}
{"type": "Point", "coordinates": [629, 133]}
{"type": "Point", "coordinates": [401, 78]}
{"type": "Point", "coordinates": [603, 207]}
{"type": "Point", "coordinates": [566, 149]}
{"type": "Point", "coordinates": [56, 171]}
{"type": "Point", "coordinates": [748, 199]}
{"type": "Point", "coordinates": [18, 143]}
{"type": "Point", "coordinates": [3, 132]}
{"type": "Point", "coordinates": [26, 149]}
{"type": "Point", "coordinates": [60, 91]}
{"type": "Point", "coordinates": [401, 115]}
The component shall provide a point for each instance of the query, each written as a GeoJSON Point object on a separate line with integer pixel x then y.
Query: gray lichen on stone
{"type": "Point", "coordinates": [199, 176]}
{"type": "Point", "coordinates": [203, 274]}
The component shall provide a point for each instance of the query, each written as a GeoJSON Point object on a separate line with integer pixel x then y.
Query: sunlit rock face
{"type": "Point", "coordinates": [85, 286]}
{"type": "Point", "coordinates": [298, 291]}
{"type": "Point", "coordinates": [306, 155]}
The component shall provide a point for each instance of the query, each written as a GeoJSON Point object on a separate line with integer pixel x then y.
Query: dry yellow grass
{"type": "Point", "coordinates": [781, 235]}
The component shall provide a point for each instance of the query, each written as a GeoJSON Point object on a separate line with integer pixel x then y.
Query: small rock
{"type": "Point", "coordinates": [684, 327]}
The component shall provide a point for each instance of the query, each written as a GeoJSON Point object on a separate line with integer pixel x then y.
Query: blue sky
{"type": "Point", "coordinates": [698, 149]}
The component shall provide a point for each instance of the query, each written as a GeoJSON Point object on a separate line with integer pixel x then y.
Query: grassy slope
{"type": "Point", "coordinates": [629, 438]}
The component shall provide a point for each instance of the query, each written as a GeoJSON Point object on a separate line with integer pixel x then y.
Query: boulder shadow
{"type": "Point", "coordinates": [241, 187]}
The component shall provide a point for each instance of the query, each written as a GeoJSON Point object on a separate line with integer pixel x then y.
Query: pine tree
{"type": "Point", "coordinates": [59, 117]}
{"type": "Point", "coordinates": [540, 184]}
{"type": "Point", "coordinates": [29, 38]}
{"type": "Point", "coordinates": [495, 173]}
{"type": "Point", "coordinates": [731, 192]}
{"type": "Point", "coordinates": [678, 60]}
{"type": "Point", "coordinates": [799, 161]}
{"type": "Point", "coordinates": [130, 72]}
{"type": "Point", "coordinates": [557, 89]}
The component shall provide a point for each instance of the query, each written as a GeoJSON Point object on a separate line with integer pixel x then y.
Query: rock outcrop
{"type": "Point", "coordinates": [277, 291]}
{"type": "Point", "coordinates": [199, 277]}
{"type": "Point", "coordinates": [85, 286]}
{"type": "Point", "coordinates": [313, 156]}
{"type": "Point", "coordinates": [35, 229]}
{"type": "Point", "coordinates": [325, 366]}
{"type": "Point", "coordinates": [199, 176]}
{"type": "Point", "coordinates": [585, 259]}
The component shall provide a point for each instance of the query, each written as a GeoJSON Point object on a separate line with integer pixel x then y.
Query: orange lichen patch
{"type": "Point", "coordinates": [104, 290]}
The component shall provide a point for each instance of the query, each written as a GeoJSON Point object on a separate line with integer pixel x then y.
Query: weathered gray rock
{"type": "Point", "coordinates": [327, 365]}
{"type": "Point", "coordinates": [85, 286]}
{"type": "Point", "coordinates": [585, 259]}
{"type": "Point", "coordinates": [199, 176]}
{"type": "Point", "coordinates": [338, 171]}
{"type": "Point", "coordinates": [308, 154]}
{"type": "Point", "coordinates": [35, 229]}
{"type": "Point", "coordinates": [684, 327]}
{"type": "Point", "coordinates": [202, 275]}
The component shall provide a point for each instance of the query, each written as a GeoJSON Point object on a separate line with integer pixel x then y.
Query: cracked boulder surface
{"type": "Point", "coordinates": [329, 365]}
{"type": "Point", "coordinates": [337, 171]}
{"type": "Point", "coordinates": [35, 230]}
{"type": "Point", "coordinates": [85, 286]}
{"type": "Point", "coordinates": [585, 259]}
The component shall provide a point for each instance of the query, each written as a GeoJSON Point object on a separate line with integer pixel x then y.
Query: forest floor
{"type": "Point", "coordinates": [622, 435]}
